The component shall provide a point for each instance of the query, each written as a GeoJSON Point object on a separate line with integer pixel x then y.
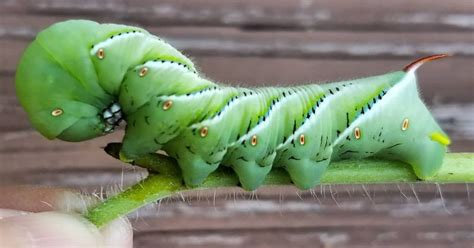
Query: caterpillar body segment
{"type": "Point", "coordinates": [168, 77]}
{"type": "Point", "coordinates": [99, 74]}
{"type": "Point", "coordinates": [152, 126]}
{"type": "Point", "coordinates": [203, 145]}
{"type": "Point", "coordinates": [108, 56]}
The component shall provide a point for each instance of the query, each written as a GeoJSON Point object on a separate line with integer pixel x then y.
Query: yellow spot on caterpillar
{"type": "Point", "coordinates": [253, 141]}
{"type": "Point", "coordinates": [57, 112]}
{"type": "Point", "coordinates": [440, 138]}
{"type": "Point", "coordinates": [302, 140]}
{"type": "Point", "coordinates": [100, 53]}
{"type": "Point", "coordinates": [357, 133]}
{"type": "Point", "coordinates": [143, 72]}
{"type": "Point", "coordinates": [204, 131]}
{"type": "Point", "coordinates": [405, 124]}
{"type": "Point", "coordinates": [167, 105]}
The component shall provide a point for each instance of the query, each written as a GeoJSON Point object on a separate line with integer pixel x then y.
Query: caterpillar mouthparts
{"type": "Point", "coordinates": [112, 117]}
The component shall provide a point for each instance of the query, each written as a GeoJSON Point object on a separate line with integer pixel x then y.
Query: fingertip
{"type": "Point", "coordinates": [49, 229]}
{"type": "Point", "coordinates": [57, 229]}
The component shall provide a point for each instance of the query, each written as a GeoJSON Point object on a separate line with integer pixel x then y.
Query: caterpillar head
{"type": "Point", "coordinates": [57, 104]}
{"type": "Point", "coordinates": [57, 85]}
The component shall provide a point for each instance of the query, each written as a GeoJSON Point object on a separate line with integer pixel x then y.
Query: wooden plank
{"type": "Point", "coordinates": [317, 14]}
{"type": "Point", "coordinates": [234, 42]}
{"type": "Point", "coordinates": [316, 44]}
{"type": "Point", "coordinates": [422, 237]}
{"type": "Point", "coordinates": [205, 40]}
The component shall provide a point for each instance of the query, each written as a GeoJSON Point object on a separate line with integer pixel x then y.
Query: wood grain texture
{"type": "Point", "coordinates": [265, 14]}
{"type": "Point", "coordinates": [255, 43]}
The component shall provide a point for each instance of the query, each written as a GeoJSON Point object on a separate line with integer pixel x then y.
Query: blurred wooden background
{"type": "Point", "coordinates": [265, 43]}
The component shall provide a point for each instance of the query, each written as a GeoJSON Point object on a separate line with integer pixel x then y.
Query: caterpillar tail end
{"type": "Point", "coordinates": [428, 160]}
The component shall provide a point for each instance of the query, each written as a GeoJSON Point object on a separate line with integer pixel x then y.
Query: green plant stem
{"type": "Point", "coordinates": [165, 180]}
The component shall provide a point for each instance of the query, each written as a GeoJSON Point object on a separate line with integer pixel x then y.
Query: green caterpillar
{"type": "Point", "coordinates": [79, 79]}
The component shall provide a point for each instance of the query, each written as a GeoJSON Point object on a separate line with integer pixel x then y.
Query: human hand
{"type": "Point", "coordinates": [49, 217]}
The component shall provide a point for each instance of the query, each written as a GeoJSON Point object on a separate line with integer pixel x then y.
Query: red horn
{"type": "Point", "coordinates": [417, 63]}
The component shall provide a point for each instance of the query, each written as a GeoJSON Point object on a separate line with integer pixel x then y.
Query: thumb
{"type": "Point", "coordinates": [56, 229]}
